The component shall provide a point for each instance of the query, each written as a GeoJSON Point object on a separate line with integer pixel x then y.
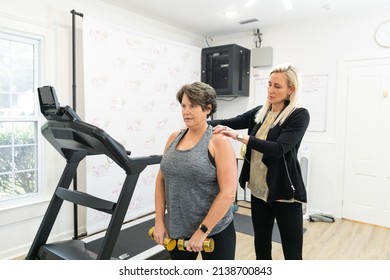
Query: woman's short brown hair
{"type": "Point", "coordinates": [201, 94]}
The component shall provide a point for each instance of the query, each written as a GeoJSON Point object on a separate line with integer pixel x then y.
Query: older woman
{"type": "Point", "coordinates": [197, 181]}
{"type": "Point", "coordinates": [271, 168]}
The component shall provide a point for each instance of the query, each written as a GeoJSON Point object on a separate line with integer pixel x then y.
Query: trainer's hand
{"type": "Point", "coordinates": [218, 128]}
{"type": "Point", "coordinates": [225, 130]}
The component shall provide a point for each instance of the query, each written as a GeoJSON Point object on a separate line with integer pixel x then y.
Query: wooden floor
{"type": "Point", "coordinates": [341, 240]}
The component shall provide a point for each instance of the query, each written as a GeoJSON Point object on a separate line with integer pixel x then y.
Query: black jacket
{"type": "Point", "coordinates": [282, 142]}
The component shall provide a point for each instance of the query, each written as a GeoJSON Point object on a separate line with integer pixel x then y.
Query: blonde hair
{"type": "Point", "coordinates": [294, 79]}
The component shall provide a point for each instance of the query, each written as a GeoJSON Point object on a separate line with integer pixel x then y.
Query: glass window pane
{"type": "Point", "coordinates": [4, 78]}
{"type": "Point", "coordinates": [22, 76]}
{"type": "Point", "coordinates": [4, 65]}
{"type": "Point", "coordinates": [24, 158]}
{"type": "Point", "coordinates": [24, 133]}
{"type": "Point", "coordinates": [5, 133]}
{"type": "Point", "coordinates": [5, 159]}
{"type": "Point", "coordinates": [6, 185]}
{"type": "Point", "coordinates": [22, 70]}
{"type": "Point", "coordinates": [5, 104]}
{"type": "Point", "coordinates": [17, 78]}
{"type": "Point", "coordinates": [25, 182]}
{"type": "Point", "coordinates": [23, 103]}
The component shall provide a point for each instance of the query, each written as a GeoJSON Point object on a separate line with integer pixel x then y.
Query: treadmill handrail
{"type": "Point", "coordinates": [79, 135]}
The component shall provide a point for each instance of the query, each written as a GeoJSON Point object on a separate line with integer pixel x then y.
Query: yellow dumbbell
{"type": "Point", "coordinates": [168, 242]}
{"type": "Point", "coordinates": [208, 245]}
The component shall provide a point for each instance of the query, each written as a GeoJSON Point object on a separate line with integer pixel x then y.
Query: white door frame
{"type": "Point", "coordinates": [341, 119]}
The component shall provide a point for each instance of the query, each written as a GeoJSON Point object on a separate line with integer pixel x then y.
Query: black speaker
{"type": "Point", "coordinates": [227, 68]}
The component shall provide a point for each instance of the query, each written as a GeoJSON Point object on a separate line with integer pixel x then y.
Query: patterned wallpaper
{"type": "Point", "coordinates": [131, 80]}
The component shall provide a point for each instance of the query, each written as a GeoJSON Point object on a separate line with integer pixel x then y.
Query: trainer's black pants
{"type": "Point", "coordinates": [290, 222]}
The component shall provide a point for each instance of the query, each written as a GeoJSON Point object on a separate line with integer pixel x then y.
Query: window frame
{"type": "Point", "coordinates": [37, 43]}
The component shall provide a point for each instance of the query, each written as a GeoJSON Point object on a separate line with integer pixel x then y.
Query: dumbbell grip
{"type": "Point", "coordinates": [185, 243]}
{"type": "Point", "coordinates": [208, 245]}
{"type": "Point", "coordinates": [168, 242]}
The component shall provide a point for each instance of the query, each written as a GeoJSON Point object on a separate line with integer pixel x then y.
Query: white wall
{"type": "Point", "coordinates": [316, 47]}
{"type": "Point", "coordinates": [52, 21]}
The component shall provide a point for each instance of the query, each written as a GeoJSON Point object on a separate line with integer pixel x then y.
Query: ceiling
{"type": "Point", "coordinates": [206, 17]}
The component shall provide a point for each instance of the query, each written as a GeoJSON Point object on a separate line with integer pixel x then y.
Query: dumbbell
{"type": "Point", "coordinates": [168, 243]}
{"type": "Point", "coordinates": [208, 244]}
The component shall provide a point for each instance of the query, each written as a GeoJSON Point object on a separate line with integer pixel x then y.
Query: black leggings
{"type": "Point", "coordinates": [224, 249]}
{"type": "Point", "coordinates": [290, 223]}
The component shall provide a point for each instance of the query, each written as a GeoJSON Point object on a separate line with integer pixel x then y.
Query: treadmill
{"type": "Point", "coordinates": [75, 140]}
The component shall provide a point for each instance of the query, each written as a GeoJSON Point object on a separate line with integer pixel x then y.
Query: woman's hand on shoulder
{"type": "Point", "coordinates": [218, 128]}
{"type": "Point", "coordinates": [225, 130]}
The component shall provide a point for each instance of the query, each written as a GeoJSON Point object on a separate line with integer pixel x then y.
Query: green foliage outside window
{"type": "Point", "coordinates": [18, 169]}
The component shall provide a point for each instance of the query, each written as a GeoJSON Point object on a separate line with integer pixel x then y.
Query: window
{"type": "Point", "coordinates": [18, 117]}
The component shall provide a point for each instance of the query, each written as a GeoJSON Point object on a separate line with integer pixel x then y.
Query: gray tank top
{"type": "Point", "coordinates": [190, 187]}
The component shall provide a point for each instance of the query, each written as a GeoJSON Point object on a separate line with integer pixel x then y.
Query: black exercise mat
{"type": "Point", "coordinates": [131, 242]}
{"type": "Point", "coordinates": [243, 224]}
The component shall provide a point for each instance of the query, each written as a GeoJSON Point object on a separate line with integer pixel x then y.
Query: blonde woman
{"type": "Point", "coordinates": [271, 168]}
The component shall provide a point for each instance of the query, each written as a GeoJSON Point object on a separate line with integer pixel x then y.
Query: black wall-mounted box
{"type": "Point", "coordinates": [227, 69]}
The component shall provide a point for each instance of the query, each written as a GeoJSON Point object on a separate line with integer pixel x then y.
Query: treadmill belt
{"type": "Point", "coordinates": [131, 242]}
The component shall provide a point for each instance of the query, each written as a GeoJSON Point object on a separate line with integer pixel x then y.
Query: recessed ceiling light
{"type": "Point", "coordinates": [329, 7]}
{"type": "Point", "coordinates": [249, 3]}
{"type": "Point", "coordinates": [287, 4]}
{"type": "Point", "coordinates": [231, 14]}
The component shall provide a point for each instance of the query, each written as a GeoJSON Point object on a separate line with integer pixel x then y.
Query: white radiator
{"type": "Point", "coordinates": [304, 160]}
